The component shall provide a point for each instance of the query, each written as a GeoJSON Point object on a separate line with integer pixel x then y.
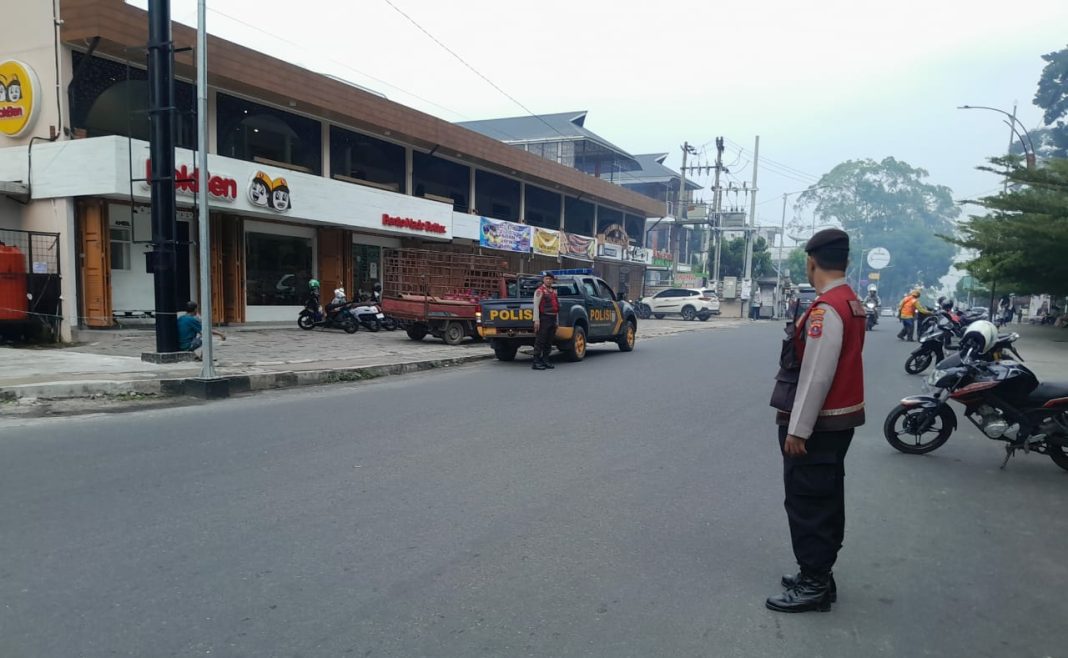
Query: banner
{"type": "Point", "coordinates": [578, 246]}
{"type": "Point", "coordinates": [546, 241]}
{"type": "Point", "coordinates": [506, 236]}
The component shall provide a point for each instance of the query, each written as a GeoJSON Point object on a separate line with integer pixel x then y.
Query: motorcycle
{"type": "Point", "coordinates": [932, 347]}
{"type": "Point", "coordinates": [1003, 398]}
{"type": "Point", "coordinates": [390, 323]}
{"type": "Point", "coordinates": [641, 309]}
{"type": "Point", "coordinates": [334, 317]}
{"type": "Point", "coordinates": [872, 312]}
{"type": "Point", "coordinates": [368, 315]}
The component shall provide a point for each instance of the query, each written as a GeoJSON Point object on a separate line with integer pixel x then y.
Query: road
{"type": "Point", "coordinates": [440, 515]}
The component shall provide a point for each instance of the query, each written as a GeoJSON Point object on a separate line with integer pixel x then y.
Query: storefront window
{"type": "Point", "coordinates": [366, 268]}
{"type": "Point", "coordinates": [111, 98]}
{"type": "Point", "coordinates": [121, 238]}
{"type": "Point", "coordinates": [542, 207]}
{"type": "Point", "coordinates": [257, 133]}
{"type": "Point", "coordinates": [496, 196]}
{"type": "Point", "coordinates": [440, 180]}
{"type": "Point", "coordinates": [633, 224]}
{"type": "Point", "coordinates": [578, 217]}
{"type": "Point", "coordinates": [278, 268]}
{"type": "Point", "coordinates": [364, 159]}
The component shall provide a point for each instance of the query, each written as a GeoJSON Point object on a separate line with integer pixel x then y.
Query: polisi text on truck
{"type": "Point", "coordinates": [512, 314]}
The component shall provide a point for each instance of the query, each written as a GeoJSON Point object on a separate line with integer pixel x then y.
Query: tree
{"type": "Point", "coordinates": [795, 262]}
{"type": "Point", "coordinates": [888, 204]}
{"type": "Point", "coordinates": [732, 258]}
{"type": "Point", "coordinates": [1022, 240]}
{"type": "Point", "coordinates": [1052, 97]}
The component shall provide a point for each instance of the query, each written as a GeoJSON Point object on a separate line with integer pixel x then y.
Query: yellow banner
{"type": "Point", "coordinates": [546, 242]}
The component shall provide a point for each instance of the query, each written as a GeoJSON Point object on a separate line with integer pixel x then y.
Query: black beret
{"type": "Point", "coordinates": [548, 274]}
{"type": "Point", "coordinates": [834, 238]}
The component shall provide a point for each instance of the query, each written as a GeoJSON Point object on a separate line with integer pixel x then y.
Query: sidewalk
{"type": "Point", "coordinates": [254, 357]}
{"type": "Point", "coordinates": [1044, 350]}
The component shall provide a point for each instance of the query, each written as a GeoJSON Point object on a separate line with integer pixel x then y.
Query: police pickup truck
{"type": "Point", "coordinates": [589, 313]}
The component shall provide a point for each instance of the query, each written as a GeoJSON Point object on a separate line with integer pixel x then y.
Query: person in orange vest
{"type": "Point", "coordinates": [819, 398]}
{"type": "Point", "coordinates": [907, 312]}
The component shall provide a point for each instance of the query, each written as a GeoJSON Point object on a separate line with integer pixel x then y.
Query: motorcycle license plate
{"type": "Point", "coordinates": [381, 316]}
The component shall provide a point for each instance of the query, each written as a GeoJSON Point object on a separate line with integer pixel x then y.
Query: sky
{"type": "Point", "coordinates": [820, 82]}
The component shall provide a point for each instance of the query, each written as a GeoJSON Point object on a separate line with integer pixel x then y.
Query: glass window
{"type": "Point", "coordinates": [111, 98]}
{"type": "Point", "coordinates": [278, 268]}
{"type": "Point", "coordinates": [121, 239]}
{"type": "Point", "coordinates": [578, 216]}
{"type": "Point", "coordinates": [496, 196]}
{"type": "Point", "coordinates": [441, 180]}
{"type": "Point", "coordinates": [590, 290]}
{"type": "Point", "coordinates": [662, 294]}
{"type": "Point", "coordinates": [257, 133]}
{"type": "Point", "coordinates": [603, 291]}
{"type": "Point", "coordinates": [542, 207]}
{"type": "Point", "coordinates": [633, 225]}
{"type": "Point", "coordinates": [366, 159]}
{"type": "Point", "coordinates": [366, 269]}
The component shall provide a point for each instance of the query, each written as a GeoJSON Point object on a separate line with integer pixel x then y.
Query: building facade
{"type": "Point", "coordinates": [302, 185]}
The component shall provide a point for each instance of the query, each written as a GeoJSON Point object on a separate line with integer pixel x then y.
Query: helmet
{"type": "Point", "coordinates": [980, 337]}
{"type": "Point", "coordinates": [314, 283]}
{"type": "Point", "coordinates": [873, 288]}
{"type": "Point", "coordinates": [947, 304]}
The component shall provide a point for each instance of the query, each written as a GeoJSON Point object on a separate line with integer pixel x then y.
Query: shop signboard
{"type": "Point", "coordinates": [20, 98]}
{"type": "Point", "coordinates": [506, 236]}
{"type": "Point", "coordinates": [578, 246]}
{"type": "Point", "coordinates": [683, 267]}
{"type": "Point", "coordinates": [662, 258]}
{"type": "Point", "coordinates": [687, 280]}
{"type": "Point", "coordinates": [546, 242]}
{"type": "Point", "coordinates": [610, 251]}
{"type": "Point", "coordinates": [187, 183]}
{"type": "Point", "coordinates": [639, 255]}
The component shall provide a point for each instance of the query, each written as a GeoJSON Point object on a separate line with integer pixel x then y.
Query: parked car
{"type": "Point", "coordinates": [806, 294]}
{"type": "Point", "coordinates": [690, 303]}
{"type": "Point", "coordinates": [715, 300]}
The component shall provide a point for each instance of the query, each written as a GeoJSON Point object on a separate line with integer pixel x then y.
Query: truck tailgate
{"type": "Point", "coordinates": [506, 315]}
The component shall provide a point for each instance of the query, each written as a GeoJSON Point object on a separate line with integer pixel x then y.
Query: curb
{"type": "Point", "coordinates": [241, 383]}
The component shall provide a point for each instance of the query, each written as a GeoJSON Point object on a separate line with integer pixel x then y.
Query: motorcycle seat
{"type": "Point", "coordinates": [1048, 391]}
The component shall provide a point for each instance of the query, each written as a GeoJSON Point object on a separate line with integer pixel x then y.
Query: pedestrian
{"type": "Point", "coordinates": [906, 310]}
{"type": "Point", "coordinates": [819, 398]}
{"type": "Point", "coordinates": [546, 311]}
{"type": "Point", "coordinates": [189, 330]}
{"type": "Point", "coordinates": [754, 307]}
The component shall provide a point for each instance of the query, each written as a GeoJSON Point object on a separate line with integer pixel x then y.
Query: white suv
{"type": "Point", "coordinates": [690, 303]}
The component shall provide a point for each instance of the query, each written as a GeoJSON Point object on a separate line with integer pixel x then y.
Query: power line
{"type": "Point", "coordinates": [784, 168]}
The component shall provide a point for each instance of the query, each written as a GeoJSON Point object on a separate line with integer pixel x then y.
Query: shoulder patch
{"type": "Point", "coordinates": [815, 329]}
{"type": "Point", "coordinates": [857, 308]}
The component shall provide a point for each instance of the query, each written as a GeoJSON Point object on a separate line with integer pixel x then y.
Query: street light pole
{"type": "Point", "coordinates": [1031, 157]}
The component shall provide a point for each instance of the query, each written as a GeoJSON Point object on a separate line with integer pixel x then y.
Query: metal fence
{"type": "Point", "coordinates": [41, 266]}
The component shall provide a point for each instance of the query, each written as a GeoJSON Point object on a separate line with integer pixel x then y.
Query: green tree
{"type": "Point", "coordinates": [888, 204]}
{"type": "Point", "coordinates": [1022, 239]}
{"type": "Point", "coordinates": [1052, 97]}
{"type": "Point", "coordinates": [732, 258]}
{"type": "Point", "coordinates": [795, 263]}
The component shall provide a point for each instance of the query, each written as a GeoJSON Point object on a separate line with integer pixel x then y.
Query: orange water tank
{"type": "Point", "coordinates": [13, 301]}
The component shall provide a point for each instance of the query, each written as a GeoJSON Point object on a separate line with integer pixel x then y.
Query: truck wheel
{"type": "Point", "coordinates": [576, 349]}
{"type": "Point", "coordinates": [505, 351]}
{"type": "Point", "coordinates": [453, 334]}
{"type": "Point", "coordinates": [629, 337]}
{"type": "Point", "coordinates": [416, 331]}
{"type": "Point", "coordinates": [689, 313]}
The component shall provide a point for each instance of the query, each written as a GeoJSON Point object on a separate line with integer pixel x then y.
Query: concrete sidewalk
{"type": "Point", "coordinates": [253, 357]}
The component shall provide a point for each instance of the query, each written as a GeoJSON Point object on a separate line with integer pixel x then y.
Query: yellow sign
{"type": "Point", "coordinates": [602, 315]}
{"type": "Point", "coordinates": [546, 242]}
{"type": "Point", "coordinates": [874, 276]}
{"type": "Point", "coordinates": [19, 98]}
{"type": "Point", "coordinates": [513, 315]}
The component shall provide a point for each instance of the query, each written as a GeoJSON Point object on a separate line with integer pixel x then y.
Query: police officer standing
{"type": "Point", "coordinates": [819, 395]}
{"type": "Point", "coordinates": [546, 311]}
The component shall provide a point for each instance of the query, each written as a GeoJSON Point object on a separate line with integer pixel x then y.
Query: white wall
{"type": "Point", "coordinates": [10, 214]}
{"type": "Point", "coordinates": [29, 36]}
{"type": "Point", "coordinates": [134, 289]}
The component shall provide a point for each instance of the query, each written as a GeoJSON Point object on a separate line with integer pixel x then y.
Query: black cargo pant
{"type": "Point", "coordinates": [543, 339]}
{"type": "Point", "coordinates": [815, 498]}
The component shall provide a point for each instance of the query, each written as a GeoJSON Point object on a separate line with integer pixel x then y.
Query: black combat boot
{"type": "Point", "coordinates": [790, 579]}
{"type": "Point", "coordinates": [810, 592]}
{"type": "Point", "coordinates": [538, 364]}
{"type": "Point", "coordinates": [547, 363]}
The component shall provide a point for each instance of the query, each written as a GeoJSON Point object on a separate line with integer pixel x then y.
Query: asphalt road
{"type": "Point", "coordinates": [441, 515]}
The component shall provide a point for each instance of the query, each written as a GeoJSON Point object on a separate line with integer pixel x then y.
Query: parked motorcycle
{"type": "Point", "coordinates": [390, 323]}
{"type": "Point", "coordinates": [932, 347]}
{"type": "Point", "coordinates": [333, 317]}
{"type": "Point", "coordinates": [1003, 398]}
{"type": "Point", "coordinates": [872, 312]}
{"type": "Point", "coordinates": [641, 309]}
{"type": "Point", "coordinates": [368, 315]}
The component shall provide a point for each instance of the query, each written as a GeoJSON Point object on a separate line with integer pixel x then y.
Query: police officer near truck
{"type": "Point", "coordinates": [819, 398]}
{"type": "Point", "coordinates": [546, 314]}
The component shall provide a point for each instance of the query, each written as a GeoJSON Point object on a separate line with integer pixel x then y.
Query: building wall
{"type": "Point", "coordinates": [30, 38]}
{"type": "Point", "coordinates": [10, 214]}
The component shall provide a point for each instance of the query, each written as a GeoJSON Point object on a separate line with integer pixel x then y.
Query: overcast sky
{"type": "Point", "coordinates": [820, 81]}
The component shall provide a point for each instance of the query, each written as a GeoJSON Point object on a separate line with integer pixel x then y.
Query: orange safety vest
{"type": "Point", "coordinates": [908, 308]}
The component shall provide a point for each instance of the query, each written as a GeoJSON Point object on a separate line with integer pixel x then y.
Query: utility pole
{"type": "Point", "coordinates": [750, 235]}
{"type": "Point", "coordinates": [717, 198]}
{"type": "Point", "coordinates": [161, 177]}
{"type": "Point", "coordinates": [680, 212]}
{"type": "Point", "coordinates": [207, 370]}
{"type": "Point", "coordinates": [779, 297]}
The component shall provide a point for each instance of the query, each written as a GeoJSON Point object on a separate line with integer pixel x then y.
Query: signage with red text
{"type": "Point", "coordinates": [187, 181]}
{"type": "Point", "coordinates": [410, 224]}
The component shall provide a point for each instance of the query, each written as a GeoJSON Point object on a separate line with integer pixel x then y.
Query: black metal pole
{"type": "Point", "coordinates": [161, 151]}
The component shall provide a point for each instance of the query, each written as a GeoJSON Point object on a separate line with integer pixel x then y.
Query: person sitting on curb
{"type": "Point", "coordinates": [190, 331]}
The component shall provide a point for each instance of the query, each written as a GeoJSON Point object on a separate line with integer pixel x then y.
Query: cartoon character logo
{"type": "Point", "coordinates": [265, 192]}
{"type": "Point", "coordinates": [19, 89]}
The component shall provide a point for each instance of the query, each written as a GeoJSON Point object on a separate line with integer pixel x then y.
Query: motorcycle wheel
{"type": "Point", "coordinates": [917, 363]}
{"type": "Point", "coordinates": [372, 325]}
{"type": "Point", "coordinates": [1059, 455]}
{"type": "Point", "coordinates": [389, 324]}
{"type": "Point", "coordinates": [305, 322]}
{"type": "Point", "coordinates": [349, 326]}
{"type": "Point", "coordinates": [915, 424]}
